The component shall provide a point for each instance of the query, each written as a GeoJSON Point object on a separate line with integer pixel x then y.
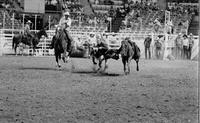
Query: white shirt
{"type": "Point", "coordinates": [185, 42]}
{"type": "Point", "coordinates": [65, 23]}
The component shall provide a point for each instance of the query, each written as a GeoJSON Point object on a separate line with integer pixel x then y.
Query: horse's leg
{"type": "Point", "coordinates": [124, 63]}
{"type": "Point", "coordinates": [137, 60]}
{"type": "Point", "coordinates": [58, 57]}
{"type": "Point", "coordinates": [15, 48]}
{"type": "Point", "coordinates": [106, 66]}
{"type": "Point", "coordinates": [128, 64]}
{"type": "Point", "coordinates": [64, 56]}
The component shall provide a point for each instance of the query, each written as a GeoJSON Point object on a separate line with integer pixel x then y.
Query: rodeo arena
{"type": "Point", "coordinates": [99, 61]}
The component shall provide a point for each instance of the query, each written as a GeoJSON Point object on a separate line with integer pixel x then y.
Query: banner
{"type": "Point", "coordinates": [34, 6]}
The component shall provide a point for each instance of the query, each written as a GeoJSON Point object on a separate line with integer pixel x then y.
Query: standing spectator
{"type": "Point", "coordinates": [170, 27]}
{"type": "Point", "coordinates": [185, 46]}
{"type": "Point", "coordinates": [158, 47]}
{"type": "Point", "coordinates": [147, 43]}
{"type": "Point", "coordinates": [157, 25]}
{"type": "Point", "coordinates": [179, 45]}
{"type": "Point", "coordinates": [191, 44]}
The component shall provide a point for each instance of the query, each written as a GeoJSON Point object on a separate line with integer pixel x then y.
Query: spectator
{"type": "Point", "coordinates": [157, 25]}
{"type": "Point", "coordinates": [147, 44]}
{"type": "Point", "coordinates": [170, 27]}
{"type": "Point", "coordinates": [191, 44]}
{"type": "Point", "coordinates": [185, 46]}
{"type": "Point", "coordinates": [179, 45]}
{"type": "Point", "coordinates": [158, 47]}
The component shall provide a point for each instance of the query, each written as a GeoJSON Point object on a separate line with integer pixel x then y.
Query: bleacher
{"type": "Point", "coordinates": [8, 20]}
{"type": "Point", "coordinates": [148, 16]}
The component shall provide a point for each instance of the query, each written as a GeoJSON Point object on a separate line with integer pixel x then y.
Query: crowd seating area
{"type": "Point", "coordinates": [80, 19]}
{"type": "Point", "coordinates": [8, 21]}
{"type": "Point", "coordinates": [7, 8]}
{"type": "Point", "coordinates": [73, 5]}
{"type": "Point", "coordinates": [138, 16]}
{"type": "Point", "coordinates": [143, 15]}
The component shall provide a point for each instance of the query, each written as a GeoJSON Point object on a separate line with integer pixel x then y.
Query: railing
{"type": "Point", "coordinates": [112, 39]}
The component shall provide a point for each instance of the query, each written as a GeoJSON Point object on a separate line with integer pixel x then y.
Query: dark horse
{"type": "Point", "coordinates": [33, 41]}
{"type": "Point", "coordinates": [62, 45]}
{"type": "Point", "coordinates": [129, 50]}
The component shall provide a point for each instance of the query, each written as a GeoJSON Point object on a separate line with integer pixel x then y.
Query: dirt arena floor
{"type": "Point", "coordinates": [32, 90]}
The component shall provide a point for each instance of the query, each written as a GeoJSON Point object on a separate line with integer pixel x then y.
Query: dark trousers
{"type": "Point", "coordinates": [189, 51]}
{"type": "Point", "coordinates": [185, 52]}
{"type": "Point", "coordinates": [158, 53]}
{"type": "Point", "coordinates": [147, 51]}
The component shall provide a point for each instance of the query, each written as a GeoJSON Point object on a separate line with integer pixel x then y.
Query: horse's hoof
{"type": "Point", "coordinates": [126, 73]}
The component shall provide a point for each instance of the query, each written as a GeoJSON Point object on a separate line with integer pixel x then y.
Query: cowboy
{"type": "Point", "coordinates": [65, 23]}
{"type": "Point", "coordinates": [179, 45]}
{"type": "Point", "coordinates": [191, 44]}
{"type": "Point", "coordinates": [101, 43]}
{"type": "Point", "coordinates": [147, 44]}
{"type": "Point", "coordinates": [27, 29]}
{"type": "Point", "coordinates": [158, 48]}
{"type": "Point", "coordinates": [185, 46]}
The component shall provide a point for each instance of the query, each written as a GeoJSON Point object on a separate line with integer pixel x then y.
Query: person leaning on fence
{"type": "Point", "coordinates": [191, 44]}
{"type": "Point", "coordinates": [158, 48]}
{"type": "Point", "coordinates": [179, 45]}
{"type": "Point", "coordinates": [147, 44]}
{"type": "Point", "coordinates": [185, 46]}
{"type": "Point", "coordinates": [101, 43]}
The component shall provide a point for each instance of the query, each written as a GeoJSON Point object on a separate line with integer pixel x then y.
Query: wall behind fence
{"type": "Point", "coordinates": [113, 40]}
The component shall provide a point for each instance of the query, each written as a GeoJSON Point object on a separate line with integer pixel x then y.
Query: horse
{"type": "Point", "coordinates": [129, 50]}
{"type": "Point", "coordinates": [33, 41]}
{"type": "Point", "coordinates": [62, 45]}
{"type": "Point", "coordinates": [103, 54]}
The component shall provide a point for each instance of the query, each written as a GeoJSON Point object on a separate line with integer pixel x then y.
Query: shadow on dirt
{"type": "Point", "coordinates": [84, 72]}
{"type": "Point", "coordinates": [95, 74]}
{"type": "Point", "coordinates": [107, 74]}
{"type": "Point", "coordinates": [43, 68]}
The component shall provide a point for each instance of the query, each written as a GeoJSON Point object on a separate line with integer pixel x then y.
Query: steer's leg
{"type": "Point", "coordinates": [106, 66]}
{"type": "Point", "coordinates": [124, 63]}
{"type": "Point", "coordinates": [128, 64]}
{"type": "Point", "coordinates": [100, 61]}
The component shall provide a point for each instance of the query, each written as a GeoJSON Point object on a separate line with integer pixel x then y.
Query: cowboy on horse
{"type": "Point", "coordinates": [65, 23]}
{"type": "Point", "coordinates": [27, 33]}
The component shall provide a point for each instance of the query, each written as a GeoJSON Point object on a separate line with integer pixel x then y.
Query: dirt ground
{"type": "Point", "coordinates": [32, 90]}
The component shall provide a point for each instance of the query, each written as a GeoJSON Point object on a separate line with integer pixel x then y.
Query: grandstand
{"type": "Point", "coordinates": [103, 16]}
{"type": "Point", "coordinates": [134, 17]}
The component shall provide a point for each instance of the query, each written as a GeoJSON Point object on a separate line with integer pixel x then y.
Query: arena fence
{"type": "Point", "coordinates": [168, 50]}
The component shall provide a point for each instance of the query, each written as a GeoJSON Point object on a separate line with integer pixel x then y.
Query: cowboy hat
{"type": "Point", "coordinates": [66, 13]}
{"type": "Point", "coordinates": [28, 21]}
{"type": "Point", "coordinates": [127, 38]}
